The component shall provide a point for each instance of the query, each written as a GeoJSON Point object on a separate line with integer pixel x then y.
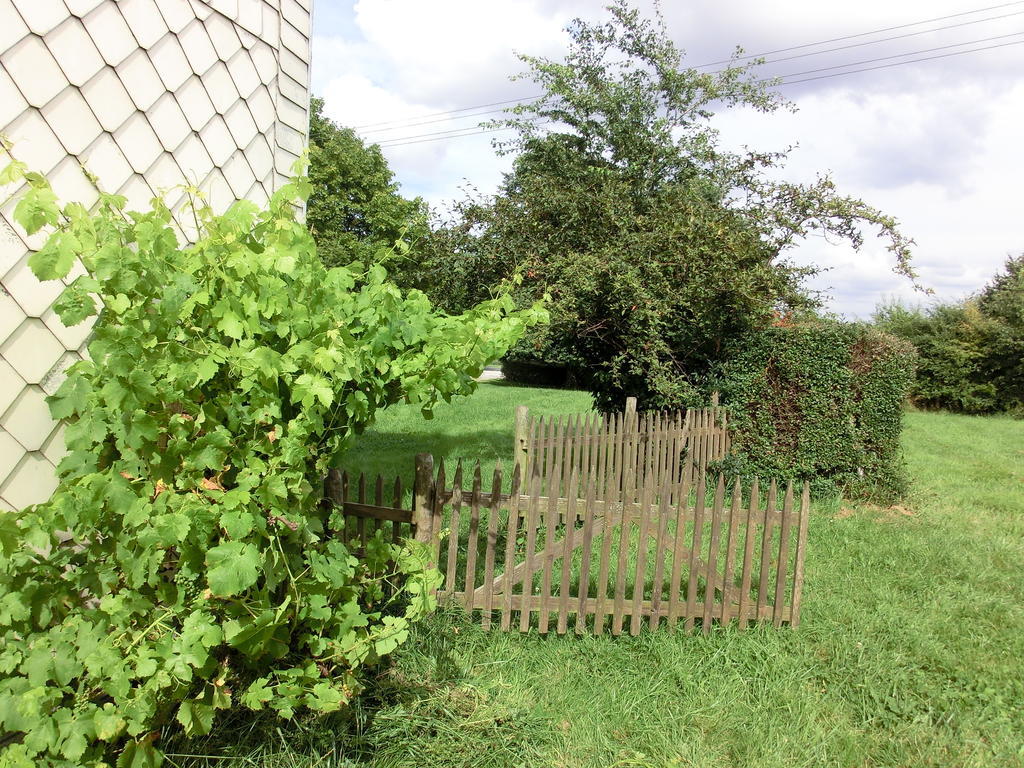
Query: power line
{"type": "Point", "coordinates": [863, 34]}
{"type": "Point", "coordinates": [413, 121]}
{"type": "Point", "coordinates": [401, 142]}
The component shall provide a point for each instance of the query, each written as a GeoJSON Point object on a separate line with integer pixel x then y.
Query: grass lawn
{"type": "Point", "coordinates": [909, 652]}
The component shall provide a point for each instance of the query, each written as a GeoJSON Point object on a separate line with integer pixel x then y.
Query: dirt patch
{"type": "Point", "coordinates": [879, 514]}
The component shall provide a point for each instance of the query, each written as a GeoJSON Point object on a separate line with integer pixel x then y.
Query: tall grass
{"type": "Point", "coordinates": [909, 652]}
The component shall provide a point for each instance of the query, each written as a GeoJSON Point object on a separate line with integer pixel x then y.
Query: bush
{"type": "Point", "coordinates": [820, 401]}
{"type": "Point", "coordinates": [181, 567]}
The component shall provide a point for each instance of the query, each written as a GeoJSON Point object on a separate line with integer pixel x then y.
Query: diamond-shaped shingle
{"type": "Point", "coordinates": [72, 337]}
{"type": "Point", "coordinates": [170, 62]}
{"type": "Point", "coordinates": [294, 14]}
{"type": "Point", "coordinates": [113, 103]}
{"type": "Point", "coordinates": [217, 191]}
{"type": "Point", "coordinates": [293, 66]}
{"type": "Point", "coordinates": [271, 24]}
{"type": "Point", "coordinates": [238, 174]}
{"type": "Point", "coordinates": [293, 115]}
{"type": "Point", "coordinates": [12, 103]}
{"type": "Point", "coordinates": [260, 157]}
{"type": "Point", "coordinates": [34, 70]}
{"type": "Point", "coordinates": [291, 89]}
{"type": "Point", "coordinates": [41, 15]}
{"type": "Point", "coordinates": [58, 373]}
{"type": "Point", "coordinates": [71, 185]}
{"type": "Point", "coordinates": [140, 78]}
{"type": "Point", "coordinates": [198, 49]}
{"type": "Point", "coordinates": [165, 177]}
{"type": "Point", "coordinates": [110, 32]}
{"type": "Point", "coordinates": [295, 41]}
{"type": "Point", "coordinates": [243, 73]}
{"type": "Point", "coordinates": [240, 124]}
{"type": "Point", "coordinates": [262, 109]}
{"type": "Point", "coordinates": [13, 29]}
{"type": "Point", "coordinates": [34, 143]}
{"type": "Point", "coordinates": [195, 103]}
{"type": "Point", "coordinates": [138, 193]}
{"type": "Point", "coordinates": [250, 20]}
{"type": "Point", "coordinates": [11, 385]}
{"type": "Point", "coordinates": [223, 35]}
{"type": "Point", "coordinates": [219, 86]}
{"type": "Point", "coordinates": [265, 61]}
{"type": "Point", "coordinates": [11, 316]}
{"type": "Point", "coordinates": [193, 159]}
{"type": "Point", "coordinates": [32, 350]}
{"type": "Point", "coordinates": [81, 8]}
{"type": "Point", "coordinates": [177, 14]}
{"type": "Point", "coordinates": [144, 20]}
{"type": "Point", "coordinates": [71, 118]}
{"type": "Point", "coordinates": [75, 52]}
{"type": "Point", "coordinates": [106, 161]}
{"type": "Point", "coordinates": [33, 295]}
{"type": "Point", "coordinates": [12, 249]}
{"type": "Point", "coordinates": [33, 481]}
{"type": "Point", "coordinates": [217, 140]}
{"type": "Point", "coordinates": [138, 142]}
{"type": "Point", "coordinates": [54, 449]}
{"type": "Point", "coordinates": [168, 121]}
{"type": "Point", "coordinates": [11, 451]}
{"type": "Point", "coordinates": [228, 8]}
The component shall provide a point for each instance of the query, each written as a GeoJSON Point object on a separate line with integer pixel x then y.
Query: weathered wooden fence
{"type": "Point", "coordinates": [577, 557]}
{"type": "Point", "coordinates": [677, 445]}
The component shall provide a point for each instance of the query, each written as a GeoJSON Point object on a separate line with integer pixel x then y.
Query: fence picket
{"type": "Point", "coordinates": [753, 508]}
{"type": "Point", "coordinates": [780, 574]}
{"type": "Point", "coordinates": [492, 542]}
{"type": "Point", "coordinates": [640, 575]}
{"type": "Point", "coordinates": [531, 545]}
{"type": "Point", "coordinates": [766, 552]}
{"type": "Point", "coordinates": [512, 535]}
{"type": "Point", "coordinates": [583, 587]}
{"type": "Point", "coordinates": [661, 542]}
{"type": "Point", "coordinates": [711, 573]}
{"type": "Point", "coordinates": [801, 544]}
{"type": "Point", "coordinates": [567, 550]}
{"type": "Point", "coordinates": [678, 552]}
{"type": "Point", "coordinates": [695, 552]}
{"type": "Point", "coordinates": [613, 491]}
{"type": "Point", "coordinates": [729, 575]}
{"type": "Point", "coordinates": [454, 522]}
{"type": "Point", "coordinates": [473, 542]}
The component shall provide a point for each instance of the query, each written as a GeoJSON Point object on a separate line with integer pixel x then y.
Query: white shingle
{"type": "Point", "coordinates": [198, 48]}
{"type": "Point", "coordinates": [13, 29]}
{"type": "Point", "coordinates": [110, 33]}
{"type": "Point", "coordinates": [227, 8]}
{"type": "Point", "coordinates": [201, 9]}
{"type": "Point", "coordinates": [11, 450]}
{"type": "Point", "coordinates": [33, 295]}
{"type": "Point", "coordinates": [11, 385]}
{"type": "Point", "coordinates": [241, 124]}
{"type": "Point", "coordinates": [260, 158]}
{"type": "Point", "coordinates": [32, 482]}
{"type": "Point", "coordinates": [76, 271]}
{"type": "Point", "coordinates": [12, 103]}
{"type": "Point", "coordinates": [11, 316]}
{"type": "Point", "coordinates": [223, 35]}
{"type": "Point", "coordinates": [34, 142]}
{"type": "Point", "coordinates": [11, 251]}
{"type": "Point", "coordinates": [238, 174]}
{"type": "Point", "coordinates": [193, 159]}
{"type": "Point", "coordinates": [106, 161]}
{"type": "Point", "coordinates": [283, 161]}
{"type": "Point", "coordinates": [28, 419]}
{"type": "Point", "coordinates": [218, 192]}
{"type": "Point", "coordinates": [41, 15]}
{"type": "Point", "coordinates": [177, 14]}
{"type": "Point", "coordinates": [32, 350]}
{"type": "Point", "coordinates": [81, 8]}
{"type": "Point", "coordinates": [220, 88]}
{"type": "Point", "coordinates": [257, 194]}
{"type": "Point", "coordinates": [54, 449]}
{"type": "Point", "coordinates": [250, 19]}
{"type": "Point", "coordinates": [170, 62]}
{"type": "Point", "coordinates": [58, 373]}
{"type": "Point", "coordinates": [71, 185]}
{"type": "Point", "coordinates": [217, 140]}
{"type": "Point", "coordinates": [75, 52]}
{"type": "Point", "coordinates": [289, 139]}
{"type": "Point", "coordinates": [295, 15]}
{"type": "Point", "coordinates": [138, 142]}
{"type": "Point", "coordinates": [271, 25]}
{"type": "Point", "coordinates": [291, 89]}
{"type": "Point", "coordinates": [70, 117]}
{"type": "Point", "coordinates": [262, 108]}
{"type": "Point", "coordinates": [292, 115]}
{"type": "Point", "coordinates": [248, 39]}
{"type": "Point", "coordinates": [195, 103]}
{"type": "Point", "coordinates": [141, 80]}
{"type": "Point", "coordinates": [295, 41]}
{"type": "Point", "coordinates": [265, 61]}
{"type": "Point", "coordinates": [34, 70]}
{"type": "Point", "coordinates": [113, 105]}
{"type": "Point", "coordinates": [138, 193]}
{"type": "Point", "coordinates": [165, 176]}
{"type": "Point", "coordinates": [243, 73]}
{"type": "Point", "coordinates": [72, 338]}
{"type": "Point", "coordinates": [144, 20]}
{"type": "Point", "coordinates": [293, 66]}
{"type": "Point", "coordinates": [168, 121]}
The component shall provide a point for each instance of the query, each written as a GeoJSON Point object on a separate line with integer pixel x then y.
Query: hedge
{"type": "Point", "coordinates": [822, 401]}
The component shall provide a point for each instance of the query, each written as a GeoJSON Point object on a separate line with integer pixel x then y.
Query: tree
{"type": "Point", "coordinates": [354, 207]}
{"type": "Point", "coordinates": [655, 243]}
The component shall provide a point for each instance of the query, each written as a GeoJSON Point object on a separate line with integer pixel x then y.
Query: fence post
{"type": "Point", "coordinates": [630, 415]}
{"type": "Point", "coordinates": [714, 399]}
{"type": "Point", "coordinates": [423, 497]}
{"type": "Point", "coordinates": [520, 447]}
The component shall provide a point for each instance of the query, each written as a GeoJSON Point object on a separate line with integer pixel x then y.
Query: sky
{"type": "Point", "coordinates": [935, 143]}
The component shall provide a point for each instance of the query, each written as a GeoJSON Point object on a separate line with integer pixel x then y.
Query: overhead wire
{"type": "Point", "coordinates": [397, 124]}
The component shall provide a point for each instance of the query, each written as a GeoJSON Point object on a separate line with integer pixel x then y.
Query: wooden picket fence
{"type": "Point", "coordinates": [592, 557]}
{"type": "Point", "coordinates": [673, 445]}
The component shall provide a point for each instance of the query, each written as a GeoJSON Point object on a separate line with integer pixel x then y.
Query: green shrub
{"type": "Point", "coordinates": [822, 401]}
{"type": "Point", "coordinates": [182, 565]}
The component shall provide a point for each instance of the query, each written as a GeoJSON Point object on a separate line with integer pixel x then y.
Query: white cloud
{"type": "Point", "coordinates": [935, 144]}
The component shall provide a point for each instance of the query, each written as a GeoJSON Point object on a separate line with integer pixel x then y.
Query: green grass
{"type": "Point", "coordinates": [909, 652]}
